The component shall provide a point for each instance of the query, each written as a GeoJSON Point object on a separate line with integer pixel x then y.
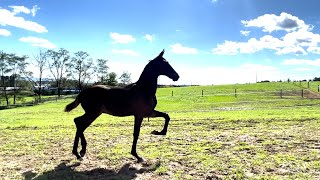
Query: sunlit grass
{"type": "Point", "coordinates": [224, 136]}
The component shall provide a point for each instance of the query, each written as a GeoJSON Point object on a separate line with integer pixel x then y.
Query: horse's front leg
{"type": "Point", "coordinates": [166, 123]}
{"type": "Point", "coordinates": [136, 132]}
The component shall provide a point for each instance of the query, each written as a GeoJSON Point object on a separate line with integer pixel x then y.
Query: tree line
{"type": "Point", "coordinates": [66, 69]}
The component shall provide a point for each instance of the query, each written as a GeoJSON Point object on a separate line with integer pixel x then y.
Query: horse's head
{"type": "Point", "coordinates": [162, 67]}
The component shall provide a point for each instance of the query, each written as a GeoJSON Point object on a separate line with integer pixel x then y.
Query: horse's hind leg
{"type": "Point", "coordinates": [75, 145]}
{"type": "Point", "coordinates": [82, 123]}
{"type": "Point", "coordinates": [165, 127]}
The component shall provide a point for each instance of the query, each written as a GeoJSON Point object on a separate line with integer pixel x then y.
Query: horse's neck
{"type": "Point", "coordinates": [148, 82]}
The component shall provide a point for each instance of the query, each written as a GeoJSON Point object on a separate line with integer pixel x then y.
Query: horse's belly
{"type": "Point", "coordinates": [116, 109]}
{"type": "Point", "coordinates": [138, 107]}
{"type": "Point", "coordinates": [117, 113]}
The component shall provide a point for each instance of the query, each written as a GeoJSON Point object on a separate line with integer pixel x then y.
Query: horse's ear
{"type": "Point", "coordinates": [161, 54]}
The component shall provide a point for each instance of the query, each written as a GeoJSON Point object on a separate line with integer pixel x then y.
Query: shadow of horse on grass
{"type": "Point", "coordinates": [65, 171]}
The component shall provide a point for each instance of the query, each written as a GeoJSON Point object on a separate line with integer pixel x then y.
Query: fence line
{"type": "Point", "coordinates": [277, 93]}
{"type": "Point", "coordinates": [36, 101]}
{"type": "Point", "coordinates": [281, 93]}
{"type": "Point", "coordinates": [257, 101]}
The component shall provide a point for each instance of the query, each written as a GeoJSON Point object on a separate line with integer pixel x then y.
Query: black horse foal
{"type": "Point", "coordinates": [138, 99]}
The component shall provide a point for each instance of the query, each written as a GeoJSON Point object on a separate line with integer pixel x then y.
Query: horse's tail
{"type": "Point", "coordinates": [72, 105]}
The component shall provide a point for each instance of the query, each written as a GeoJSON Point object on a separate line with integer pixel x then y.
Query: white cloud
{"type": "Point", "coordinates": [314, 50]}
{"type": "Point", "coordinates": [20, 9]}
{"type": "Point", "coordinates": [34, 10]}
{"type": "Point", "coordinates": [301, 62]}
{"type": "Point", "coordinates": [214, 1]}
{"type": "Point", "coordinates": [23, 9]}
{"type": "Point", "coordinates": [251, 46]}
{"type": "Point", "coordinates": [179, 49]}
{"type": "Point", "coordinates": [245, 33]}
{"type": "Point", "coordinates": [128, 52]}
{"type": "Point", "coordinates": [299, 40]}
{"type": "Point", "coordinates": [302, 38]}
{"type": "Point", "coordinates": [4, 32]}
{"type": "Point", "coordinates": [226, 48]}
{"type": "Point", "coordinates": [122, 38]}
{"type": "Point", "coordinates": [39, 42]}
{"type": "Point", "coordinates": [291, 43]}
{"type": "Point", "coordinates": [296, 50]}
{"type": "Point", "coordinates": [8, 18]}
{"type": "Point", "coordinates": [149, 37]}
{"type": "Point", "coordinates": [272, 22]}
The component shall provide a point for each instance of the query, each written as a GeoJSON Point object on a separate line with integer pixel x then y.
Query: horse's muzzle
{"type": "Point", "coordinates": [175, 77]}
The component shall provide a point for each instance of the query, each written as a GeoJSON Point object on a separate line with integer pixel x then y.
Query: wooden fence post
{"type": "Point", "coordinates": [171, 93]}
{"type": "Point", "coordinates": [281, 93]}
{"type": "Point", "coordinates": [318, 88]}
{"type": "Point", "coordinates": [202, 92]}
{"type": "Point", "coordinates": [302, 93]}
{"type": "Point", "coordinates": [235, 92]}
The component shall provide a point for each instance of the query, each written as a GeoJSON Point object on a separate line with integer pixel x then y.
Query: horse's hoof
{"type": "Point", "coordinates": [82, 153]}
{"type": "Point", "coordinates": [140, 160]}
{"type": "Point", "coordinates": [76, 154]}
{"type": "Point", "coordinates": [158, 133]}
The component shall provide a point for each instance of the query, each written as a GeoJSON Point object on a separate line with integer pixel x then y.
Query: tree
{"type": "Point", "coordinates": [57, 65]}
{"type": "Point", "coordinates": [102, 70]}
{"type": "Point", "coordinates": [18, 67]}
{"type": "Point", "coordinates": [4, 69]}
{"type": "Point", "coordinates": [69, 83]}
{"type": "Point", "coordinates": [125, 78]}
{"type": "Point", "coordinates": [40, 62]}
{"type": "Point", "coordinates": [80, 68]}
{"type": "Point", "coordinates": [112, 79]}
{"type": "Point", "coordinates": [316, 79]}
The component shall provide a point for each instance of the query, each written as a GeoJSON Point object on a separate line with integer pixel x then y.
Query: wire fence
{"type": "Point", "coordinates": [303, 93]}
{"type": "Point", "coordinates": [301, 90]}
{"type": "Point", "coordinates": [35, 101]}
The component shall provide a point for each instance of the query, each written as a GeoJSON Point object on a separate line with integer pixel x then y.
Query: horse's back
{"type": "Point", "coordinates": [99, 94]}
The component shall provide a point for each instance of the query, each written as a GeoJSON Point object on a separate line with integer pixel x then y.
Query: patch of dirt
{"type": "Point", "coordinates": [306, 94]}
{"type": "Point", "coordinates": [310, 94]}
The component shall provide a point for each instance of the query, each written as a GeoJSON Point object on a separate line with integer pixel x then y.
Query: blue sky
{"type": "Point", "coordinates": [206, 41]}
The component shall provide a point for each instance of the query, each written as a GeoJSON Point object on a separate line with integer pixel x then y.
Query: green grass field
{"type": "Point", "coordinates": [256, 135]}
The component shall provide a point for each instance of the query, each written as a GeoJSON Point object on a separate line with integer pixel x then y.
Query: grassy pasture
{"type": "Point", "coordinates": [256, 135]}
